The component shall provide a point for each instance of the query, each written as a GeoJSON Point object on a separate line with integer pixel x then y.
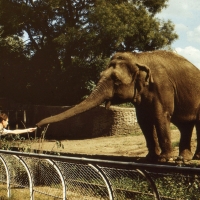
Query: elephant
{"type": "Point", "coordinates": [164, 88]}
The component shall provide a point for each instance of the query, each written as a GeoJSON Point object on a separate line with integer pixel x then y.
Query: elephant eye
{"type": "Point", "coordinates": [117, 83]}
{"type": "Point", "coordinates": [112, 65]}
{"type": "Point", "coordinates": [116, 80]}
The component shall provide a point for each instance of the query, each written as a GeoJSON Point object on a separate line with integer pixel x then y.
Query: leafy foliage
{"type": "Point", "coordinates": [68, 42]}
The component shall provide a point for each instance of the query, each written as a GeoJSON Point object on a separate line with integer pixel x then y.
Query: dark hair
{"type": "Point", "coordinates": [3, 116]}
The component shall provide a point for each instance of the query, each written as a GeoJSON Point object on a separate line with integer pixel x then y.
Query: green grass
{"type": "Point", "coordinates": [22, 193]}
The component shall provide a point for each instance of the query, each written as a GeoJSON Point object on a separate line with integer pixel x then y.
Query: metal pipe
{"type": "Point", "coordinates": [7, 175]}
{"type": "Point", "coordinates": [61, 177]}
{"type": "Point", "coordinates": [123, 164]}
{"type": "Point", "coordinates": [151, 183]}
{"type": "Point", "coordinates": [29, 175]}
{"type": "Point", "coordinates": [105, 179]}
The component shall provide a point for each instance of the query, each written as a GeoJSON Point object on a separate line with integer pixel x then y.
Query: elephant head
{"type": "Point", "coordinates": [123, 81]}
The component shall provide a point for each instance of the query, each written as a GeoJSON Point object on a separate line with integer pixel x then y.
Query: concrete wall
{"type": "Point", "coordinates": [93, 123]}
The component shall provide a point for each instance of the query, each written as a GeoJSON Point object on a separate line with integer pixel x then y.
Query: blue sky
{"type": "Point", "coordinates": [185, 14]}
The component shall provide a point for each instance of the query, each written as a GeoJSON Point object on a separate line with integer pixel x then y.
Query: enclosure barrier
{"type": "Point", "coordinates": [41, 176]}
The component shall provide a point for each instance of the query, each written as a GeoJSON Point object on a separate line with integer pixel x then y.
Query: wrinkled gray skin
{"type": "Point", "coordinates": [163, 86]}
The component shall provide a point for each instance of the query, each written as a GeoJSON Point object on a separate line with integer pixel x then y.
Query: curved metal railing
{"type": "Point", "coordinates": [40, 176]}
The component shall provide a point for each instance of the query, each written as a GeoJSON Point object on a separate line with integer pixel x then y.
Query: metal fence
{"type": "Point", "coordinates": [41, 176]}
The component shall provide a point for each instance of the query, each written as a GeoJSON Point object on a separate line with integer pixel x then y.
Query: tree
{"type": "Point", "coordinates": [12, 68]}
{"type": "Point", "coordinates": [70, 41]}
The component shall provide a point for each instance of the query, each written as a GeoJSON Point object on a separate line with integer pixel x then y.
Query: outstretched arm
{"type": "Point", "coordinates": [19, 131]}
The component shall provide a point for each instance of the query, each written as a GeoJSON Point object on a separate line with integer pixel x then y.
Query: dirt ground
{"type": "Point", "coordinates": [121, 145]}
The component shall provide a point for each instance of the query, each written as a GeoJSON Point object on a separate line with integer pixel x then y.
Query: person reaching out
{"type": "Point", "coordinates": [4, 123]}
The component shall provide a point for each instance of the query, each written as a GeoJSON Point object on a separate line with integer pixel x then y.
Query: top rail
{"type": "Point", "coordinates": [113, 163]}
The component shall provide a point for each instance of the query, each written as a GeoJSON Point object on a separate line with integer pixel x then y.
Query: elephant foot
{"type": "Point", "coordinates": [165, 157]}
{"type": "Point", "coordinates": [152, 157]}
{"type": "Point", "coordinates": [196, 156]}
{"type": "Point", "coordinates": [186, 155]}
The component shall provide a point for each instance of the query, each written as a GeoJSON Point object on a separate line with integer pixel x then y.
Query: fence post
{"type": "Point", "coordinates": [151, 182]}
{"type": "Point", "coordinates": [105, 179]}
{"type": "Point", "coordinates": [29, 176]}
{"type": "Point", "coordinates": [61, 177]}
{"type": "Point", "coordinates": [7, 176]}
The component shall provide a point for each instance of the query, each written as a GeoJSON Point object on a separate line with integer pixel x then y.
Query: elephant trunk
{"type": "Point", "coordinates": [103, 91]}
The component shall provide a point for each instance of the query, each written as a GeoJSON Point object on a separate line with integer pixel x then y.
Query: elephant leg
{"type": "Point", "coordinates": [197, 153]}
{"type": "Point", "coordinates": [164, 138]}
{"type": "Point", "coordinates": [162, 124]}
{"type": "Point", "coordinates": [185, 140]}
{"type": "Point", "coordinates": [150, 135]}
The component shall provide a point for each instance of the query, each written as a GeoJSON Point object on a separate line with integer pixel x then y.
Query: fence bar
{"type": "Point", "coordinates": [119, 179]}
{"type": "Point", "coordinates": [7, 175]}
{"type": "Point", "coordinates": [105, 179]}
{"type": "Point", "coordinates": [61, 177]}
{"type": "Point", "coordinates": [29, 176]}
{"type": "Point", "coordinates": [122, 164]}
{"type": "Point", "coordinates": [153, 186]}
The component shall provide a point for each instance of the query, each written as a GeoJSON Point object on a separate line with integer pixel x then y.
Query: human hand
{"type": "Point", "coordinates": [31, 129]}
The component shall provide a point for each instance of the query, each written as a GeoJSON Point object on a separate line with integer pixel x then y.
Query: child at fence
{"type": "Point", "coordinates": [4, 124]}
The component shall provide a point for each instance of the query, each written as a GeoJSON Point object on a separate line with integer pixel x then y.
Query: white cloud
{"type": "Point", "coordinates": [185, 15]}
{"type": "Point", "coordinates": [181, 9]}
{"type": "Point", "coordinates": [181, 27]}
{"type": "Point", "coordinates": [194, 35]}
{"type": "Point", "coordinates": [190, 53]}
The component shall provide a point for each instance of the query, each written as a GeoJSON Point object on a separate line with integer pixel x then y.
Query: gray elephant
{"type": "Point", "coordinates": [163, 86]}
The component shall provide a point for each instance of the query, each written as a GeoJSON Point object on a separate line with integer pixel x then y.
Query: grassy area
{"type": "Point", "coordinates": [132, 186]}
{"type": "Point", "coordinates": [170, 186]}
{"type": "Point", "coordinates": [22, 193]}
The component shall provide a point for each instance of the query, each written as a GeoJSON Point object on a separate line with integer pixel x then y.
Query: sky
{"type": "Point", "coordinates": [185, 15]}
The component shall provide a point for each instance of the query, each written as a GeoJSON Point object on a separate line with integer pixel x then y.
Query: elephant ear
{"type": "Point", "coordinates": [149, 78]}
{"type": "Point", "coordinates": [140, 82]}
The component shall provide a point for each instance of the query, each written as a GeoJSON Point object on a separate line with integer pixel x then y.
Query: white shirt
{"type": "Point", "coordinates": [4, 131]}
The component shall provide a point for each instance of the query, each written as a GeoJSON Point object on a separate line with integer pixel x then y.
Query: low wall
{"type": "Point", "coordinates": [93, 123]}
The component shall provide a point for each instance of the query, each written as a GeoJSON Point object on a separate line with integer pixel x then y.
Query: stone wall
{"type": "Point", "coordinates": [93, 123]}
{"type": "Point", "coordinates": [124, 120]}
